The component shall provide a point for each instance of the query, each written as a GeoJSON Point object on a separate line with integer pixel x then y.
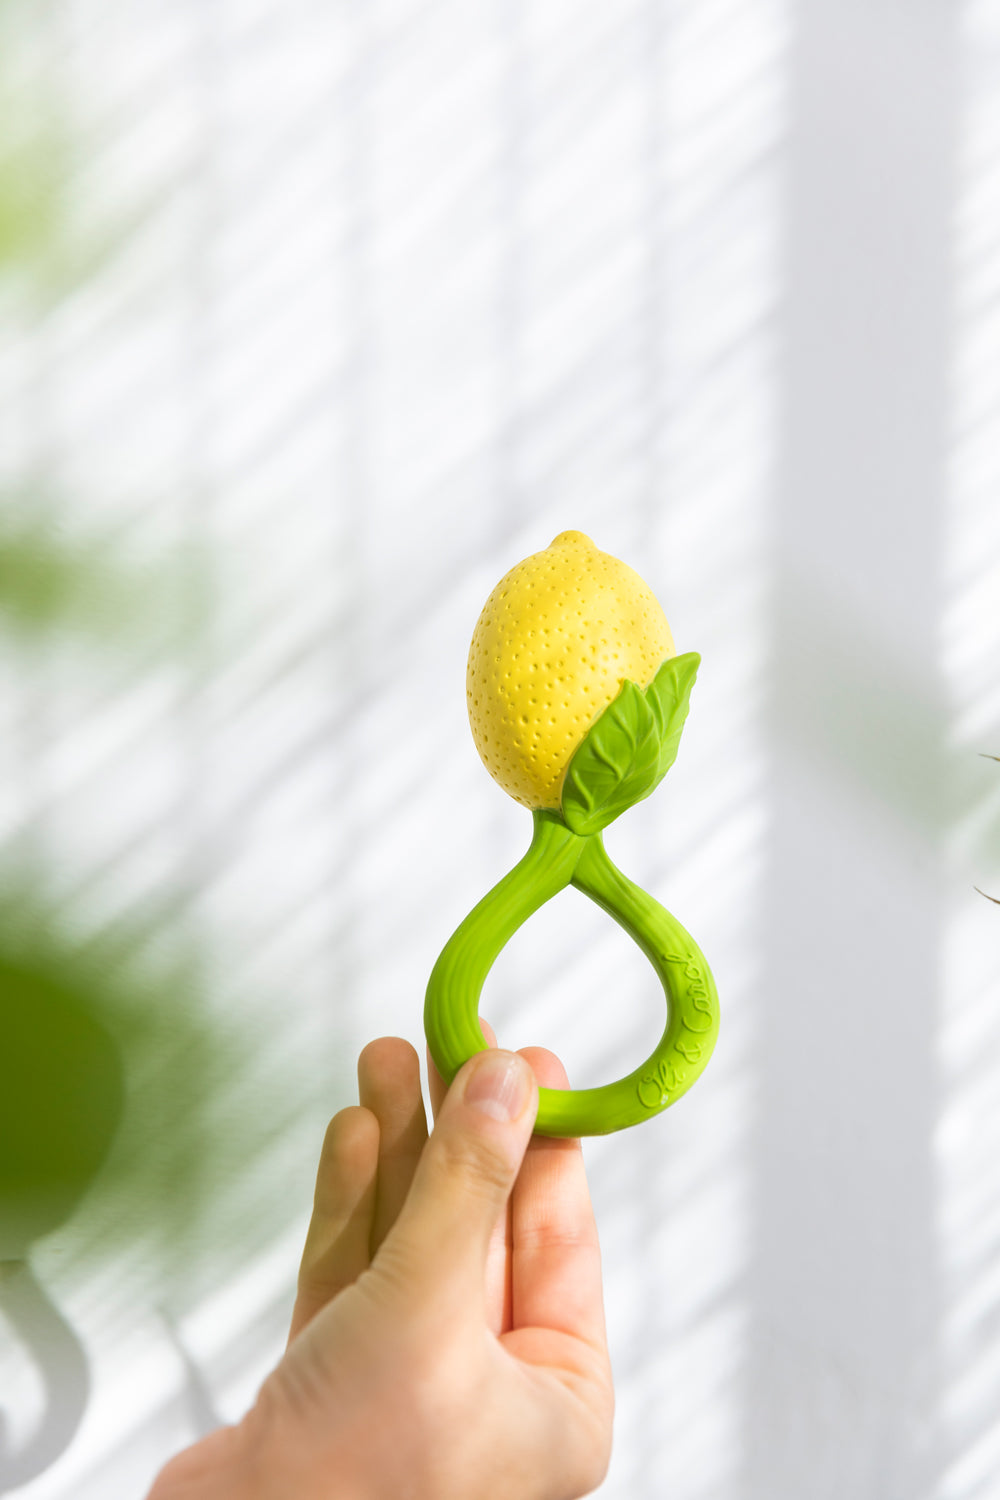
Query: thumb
{"type": "Point", "coordinates": [438, 1245]}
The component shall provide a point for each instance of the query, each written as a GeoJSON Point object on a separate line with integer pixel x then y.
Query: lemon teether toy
{"type": "Point", "coordinates": [577, 701]}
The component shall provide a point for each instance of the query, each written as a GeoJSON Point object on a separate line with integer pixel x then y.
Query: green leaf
{"type": "Point", "coordinates": [668, 696]}
{"type": "Point", "coordinates": [615, 765]}
{"type": "Point", "coordinates": [631, 747]}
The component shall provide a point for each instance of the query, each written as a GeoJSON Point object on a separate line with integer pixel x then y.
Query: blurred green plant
{"type": "Point", "coordinates": [62, 1095]}
{"type": "Point", "coordinates": [133, 1118]}
{"type": "Point", "coordinates": [994, 899]}
{"type": "Point", "coordinates": [47, 247]}
{"type": "Point", "coordinates": [114, 1077]}
{"type": "Point", "coordinates": [52, 582]}
{"type": "Point", "coordinates": [31, 207]}
{"type": "Point", "coordinates": [35, 148]}
{"type": "Point", "coordinates": [44, 251]}
{"type": "Point", "coordinates": [112, 1065]}
{"type": "Point", "coordinates": [115, 1073]}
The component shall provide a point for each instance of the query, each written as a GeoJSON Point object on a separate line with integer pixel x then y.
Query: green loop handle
{"type": "Point", "coordinates": [557, 858]}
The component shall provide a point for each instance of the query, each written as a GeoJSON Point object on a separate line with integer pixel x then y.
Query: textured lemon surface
{"type": "Point", "coordinates": [557, 637]}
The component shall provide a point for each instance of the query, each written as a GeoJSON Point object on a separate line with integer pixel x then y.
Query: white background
{"type": "Point", "coordinates": [406, 289]}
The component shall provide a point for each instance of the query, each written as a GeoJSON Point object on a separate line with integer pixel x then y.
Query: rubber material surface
{"type": "Point", "coordinates": [556, 858]}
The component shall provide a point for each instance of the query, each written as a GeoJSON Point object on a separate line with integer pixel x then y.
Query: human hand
{"type": "Point", "coordinates": [448, 1338]}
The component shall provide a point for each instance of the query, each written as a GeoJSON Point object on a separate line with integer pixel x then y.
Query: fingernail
{"type": "Point", "coordinates": [500, 1085]}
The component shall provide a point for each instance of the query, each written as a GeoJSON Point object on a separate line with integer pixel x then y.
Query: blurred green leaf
{"type": "Point", "coordinates": [996, 900]}
{"type": "Point", "coordinates": [130, 1112]}
{"type": "Point", "coordinates": [32, 219]}
{"type": "Point", "coordinates": [61, 1096]}
{"type": "Point", "coordinates": [52, 582]}
{"type": "Point", "coordinates": [50, 242]}
{"type": "Point", "coordinates": [44, 252]}
{"type": "Point", "coordinates": [116, 1076]}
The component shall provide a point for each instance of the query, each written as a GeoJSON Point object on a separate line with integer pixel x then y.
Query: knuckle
{"type": "Point", "coordinates": [479, 1162]}
{"type": "Point", "coordinates": [318, 1283]}
{"type": "Point", "coordinates": [544, 1235]}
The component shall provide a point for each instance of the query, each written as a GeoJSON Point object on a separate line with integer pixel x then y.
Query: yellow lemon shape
{"type": "Point", "coordinates": [557, 637]}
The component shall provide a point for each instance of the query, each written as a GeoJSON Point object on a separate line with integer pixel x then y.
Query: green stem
{"type": "Point", "coordinates": [557, 857]}
{"type": "Point", "coordinates": [689, 1036]}
{"type": "Point", "coordinates": [451, 1024]}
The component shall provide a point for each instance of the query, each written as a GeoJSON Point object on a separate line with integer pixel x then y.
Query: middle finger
{"type": "Point", "coordinates": [389, 1085]}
